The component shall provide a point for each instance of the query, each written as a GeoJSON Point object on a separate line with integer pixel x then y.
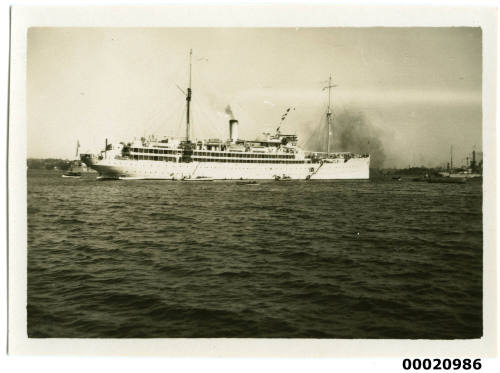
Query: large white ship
{"type": "Point", "coordinates": [277, 156]}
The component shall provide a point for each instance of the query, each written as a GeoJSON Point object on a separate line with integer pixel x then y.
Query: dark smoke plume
{"type": "Point", "coordinates": [229, 111]}
{"type": "Point", "coordinates": [351, 132]}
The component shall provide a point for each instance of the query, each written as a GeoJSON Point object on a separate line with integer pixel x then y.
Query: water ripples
{"type": "Point", "coordinates": [149, 259]}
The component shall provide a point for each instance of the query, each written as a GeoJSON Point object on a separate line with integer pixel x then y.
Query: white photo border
{"type": "Point", "coordinates": [281, 15]}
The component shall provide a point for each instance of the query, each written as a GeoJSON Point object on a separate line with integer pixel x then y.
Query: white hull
{"type": "Point", "coordinates": [335, 169]}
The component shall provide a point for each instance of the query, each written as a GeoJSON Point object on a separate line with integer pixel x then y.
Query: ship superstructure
{"type": "Point", "coordinates": [274, 156]}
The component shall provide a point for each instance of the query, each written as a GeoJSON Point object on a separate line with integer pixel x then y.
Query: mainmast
{"type": "Point", "coordinates": [188, 98]}
{"type": "Point", "coordinates": [329, 112]}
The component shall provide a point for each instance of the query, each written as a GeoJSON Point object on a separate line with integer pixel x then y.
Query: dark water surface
{"type": "Point", "coordinates": [217, 259]}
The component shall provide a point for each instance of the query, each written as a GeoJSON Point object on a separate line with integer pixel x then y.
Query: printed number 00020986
{"type": "Point", "coordinates": [442, 364]}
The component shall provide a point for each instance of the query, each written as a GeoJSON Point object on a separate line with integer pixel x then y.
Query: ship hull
{"type": "Point", "coordinates": [336, 169]}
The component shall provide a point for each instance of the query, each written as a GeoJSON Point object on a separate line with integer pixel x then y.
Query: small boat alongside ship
{"type": "Point", "coordinates": [198, 178]}
{"type": "Point", "coordinates": [282, 178]}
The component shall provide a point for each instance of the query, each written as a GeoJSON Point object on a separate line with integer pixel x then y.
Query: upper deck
{"type": "Point", "coordinates": [273, 149]}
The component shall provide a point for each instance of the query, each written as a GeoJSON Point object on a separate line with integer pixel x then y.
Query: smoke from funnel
{"type": "Point", "coordinates": [229, 111]}
{"type": "Point", "coordinates": [350, 132]}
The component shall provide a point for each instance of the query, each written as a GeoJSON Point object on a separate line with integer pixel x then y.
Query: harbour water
{"type": "Point", "coordinates": [160, 259]}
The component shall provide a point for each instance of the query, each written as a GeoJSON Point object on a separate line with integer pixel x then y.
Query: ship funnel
{"type": "Point", "coordinates": [233, 130]}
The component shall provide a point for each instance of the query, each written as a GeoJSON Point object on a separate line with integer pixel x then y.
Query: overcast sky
{"type": "Point", "coordinates": [420, 88]}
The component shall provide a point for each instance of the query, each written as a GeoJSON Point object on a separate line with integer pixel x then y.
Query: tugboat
{"type": "Point", "coordinates": [72, 174]}
{"type": "Point", "coordinates": [75, 170]}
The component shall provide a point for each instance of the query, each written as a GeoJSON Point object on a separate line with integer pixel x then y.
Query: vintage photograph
{"type": "Point", "coordinates": [265, 182]}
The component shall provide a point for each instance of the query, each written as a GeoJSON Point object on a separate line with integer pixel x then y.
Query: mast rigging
{"type": "Point", "coordinates": [188, 98]}
{"type": "Point", "coordinates": [329, 112]}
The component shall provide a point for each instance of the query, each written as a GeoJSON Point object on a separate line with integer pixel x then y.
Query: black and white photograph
{"type": "Point", "coordinates": [255, 182]}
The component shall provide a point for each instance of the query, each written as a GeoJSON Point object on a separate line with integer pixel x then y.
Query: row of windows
{"type": "Point", "coordinates": [152, 158]}
{"type": "Point", "coordinates": [213, 154]}
{"type": "Point", "coordinates": [245, 155]}
{"type": "Point", "coordinates": [243, 160]}
{"type": "Point", "coordinates": [154, 151]}
{"type": "Point", "coordinates": [195, 159]}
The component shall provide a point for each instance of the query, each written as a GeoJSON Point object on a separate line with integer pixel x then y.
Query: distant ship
{"type": "Point", "coordinates": [463, 174]}
{"type": "Point", "coordinates": [275, 157]}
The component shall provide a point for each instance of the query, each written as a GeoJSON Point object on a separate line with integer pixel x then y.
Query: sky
{"type": "Point", "coordinates": [418, 90]}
